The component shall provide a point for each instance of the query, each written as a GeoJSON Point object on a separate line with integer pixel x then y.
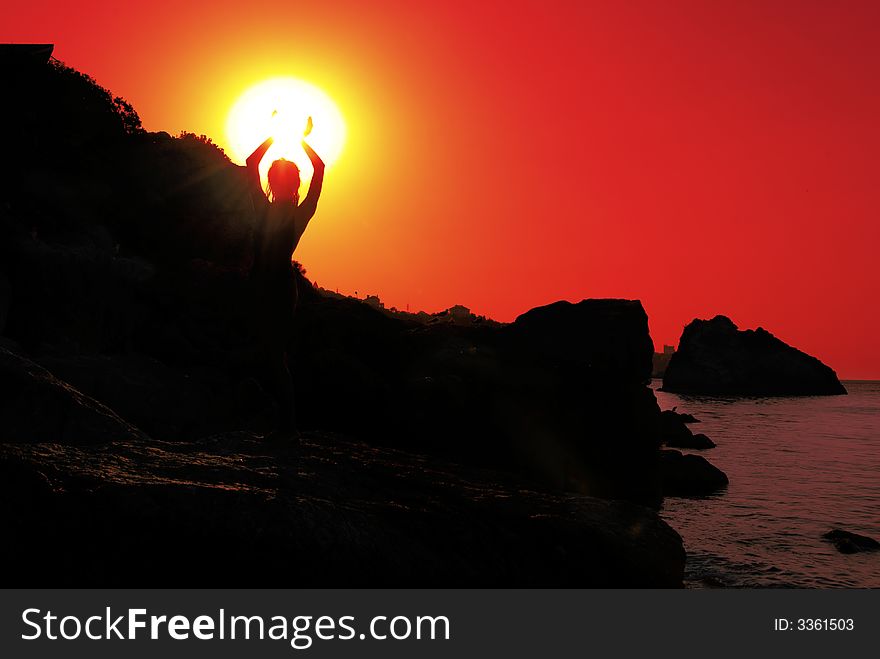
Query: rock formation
{"type": "Point", "coordinates": [714, 357]}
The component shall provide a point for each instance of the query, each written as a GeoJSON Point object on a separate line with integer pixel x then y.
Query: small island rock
{"type": "Point", "coordinates": [715, 357]}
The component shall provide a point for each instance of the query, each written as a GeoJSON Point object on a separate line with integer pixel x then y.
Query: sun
{"type": "Point", "coordinates": [280, 107]}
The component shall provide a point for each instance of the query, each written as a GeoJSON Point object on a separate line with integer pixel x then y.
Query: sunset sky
{"type": "Point", "coordinates": [703, 157]}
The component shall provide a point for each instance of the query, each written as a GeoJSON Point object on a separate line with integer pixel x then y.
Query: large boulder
{"type": "Point", "coordinates": [716, 358]}
{"type": "Point", "coordinates": [607, 339]}
{"type": "Point", "coordinates": [559, 395]}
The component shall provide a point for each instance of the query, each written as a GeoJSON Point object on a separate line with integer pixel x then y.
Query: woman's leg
{"type": "Point", "coordinates": [283, 385]}
{"type": "Point", "coordinates": [278, 304]}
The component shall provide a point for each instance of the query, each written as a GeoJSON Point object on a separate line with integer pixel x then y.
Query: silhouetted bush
{"type": "Point", "coordinates": [203, 145]}
{"type": "Point", "coordinates": [95, 99]}
{"type": "Point", "coordinates": [79, 103]}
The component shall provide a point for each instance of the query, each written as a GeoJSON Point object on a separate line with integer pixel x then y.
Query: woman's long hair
{"type": "Point", "coordinates": [283, 181]}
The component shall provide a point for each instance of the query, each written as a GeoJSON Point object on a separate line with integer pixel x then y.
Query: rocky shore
{"type": "Point", "coordinates": [133, 407]}
{"type": "Point", "coordinates": [236, 510]}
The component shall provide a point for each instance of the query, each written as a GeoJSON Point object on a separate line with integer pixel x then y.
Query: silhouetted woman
{"type": "Point", "coordinates": [281, 221]}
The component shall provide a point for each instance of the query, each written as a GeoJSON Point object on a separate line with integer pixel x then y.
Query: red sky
{"type": "Point", "coordinates": [703, 157]}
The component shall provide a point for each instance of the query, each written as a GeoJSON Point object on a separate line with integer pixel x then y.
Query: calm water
{"type": "Point", "coordinates": [797, 467]}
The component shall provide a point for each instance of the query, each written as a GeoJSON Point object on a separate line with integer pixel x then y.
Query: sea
{"type": "Point", "coordinates": [798, 467]}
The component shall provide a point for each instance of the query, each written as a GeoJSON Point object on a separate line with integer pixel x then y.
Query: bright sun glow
{"type": "Point", "coordinates": [280, 107]}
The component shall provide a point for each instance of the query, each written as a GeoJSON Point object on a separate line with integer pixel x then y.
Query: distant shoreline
{"type": "Point", "coordinates": [854, 380]}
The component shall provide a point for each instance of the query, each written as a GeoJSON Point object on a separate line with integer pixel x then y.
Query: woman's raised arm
{"type": "Point", "coordinates": [253, 165]}
{"type": "Point", "coordinates": [310, 203]}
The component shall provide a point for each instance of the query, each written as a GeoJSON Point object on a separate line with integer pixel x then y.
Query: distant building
{"type": "Point", "coordinates": [25, 55]}
{"type": "Point", "coordinates": [374, 301]}
{"type": "Point", "coordinates": [459, 313]}
{"type": "Point", "coordinates": [661, 361]}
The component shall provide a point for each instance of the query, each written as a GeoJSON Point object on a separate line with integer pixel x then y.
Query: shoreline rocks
{"type": "Point", "coordinates": [675, 433]}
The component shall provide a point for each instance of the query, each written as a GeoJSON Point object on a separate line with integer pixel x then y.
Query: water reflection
{"type": "Point", "coordinates": [797, 467]}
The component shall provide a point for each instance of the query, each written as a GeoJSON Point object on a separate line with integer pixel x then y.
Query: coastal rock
{"type": "Point", "coordinates": [716, 358]}
{"type": "Point", "coordinates": [689, 475]}
{"type": "Point", "coordinates": [325, 512]}
{"type": "Point", "coordinates": [697, 441]}
{"type": "Point", "coordinates": [847, 542]}
{"type": "Point", "coordinates": [676, 434]}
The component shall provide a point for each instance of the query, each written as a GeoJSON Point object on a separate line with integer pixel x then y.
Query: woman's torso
{"type": "Point", "coordinates": [272, 274]}
{"type": "Point", "coordinates": [278, 233]}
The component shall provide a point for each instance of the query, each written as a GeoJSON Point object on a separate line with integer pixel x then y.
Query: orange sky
{"type": "Point", "coordinates": [703, 157]}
